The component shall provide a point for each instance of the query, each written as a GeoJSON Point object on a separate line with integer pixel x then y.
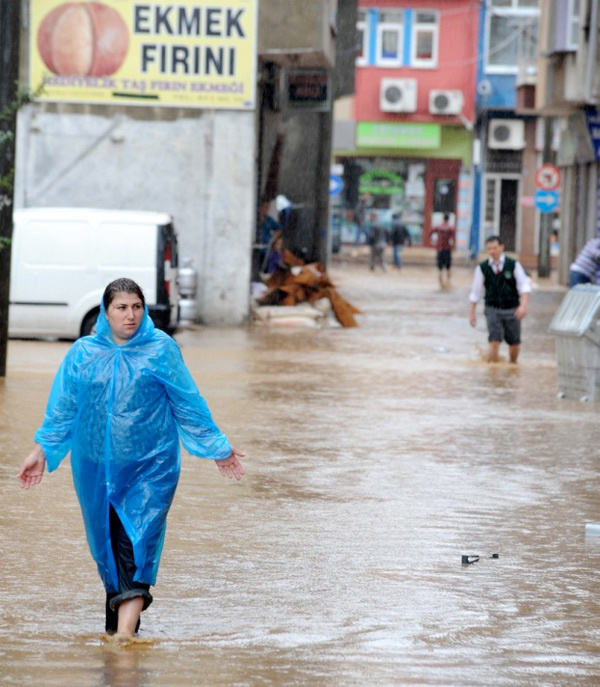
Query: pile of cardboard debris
{"type": "Point", "coordinates": [301, 294]}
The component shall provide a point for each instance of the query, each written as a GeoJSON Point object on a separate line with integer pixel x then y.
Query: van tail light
{"type": "Point", "coordinates": [167, 260]}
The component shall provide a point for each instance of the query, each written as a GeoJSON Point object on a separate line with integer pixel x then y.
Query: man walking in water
{"type": "Point", "coordinates": [507, 292]}
{"type": "Point", "coordinates": [445, 239]}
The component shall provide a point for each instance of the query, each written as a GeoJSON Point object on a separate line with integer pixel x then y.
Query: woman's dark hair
{"type": "Point", "coordinates": [122, 285]}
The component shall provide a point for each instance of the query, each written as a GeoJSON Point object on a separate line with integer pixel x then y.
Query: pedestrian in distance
{"type": "Point", "coordinates": [378, 240]}
{"type": "Point", "coordinates": [400, 236]}
{"type": "Point", "coordinates": [585, 269]}
{"type": "Point", "coordinates": [444, 238]}
{"type": "Point", "coordinates": [360, 218]}
{"type": "Point", "coordinates": [121, 402]}
{"type": "Point", "coordinates": [268, 229]}
{"type": "Point", "coordinates": [507, 290]}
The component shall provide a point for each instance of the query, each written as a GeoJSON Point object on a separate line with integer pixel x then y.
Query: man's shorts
{"type": "Point", "coordinates": [503, 325]}
{"type": "Point", "coordinates": [444, 259]}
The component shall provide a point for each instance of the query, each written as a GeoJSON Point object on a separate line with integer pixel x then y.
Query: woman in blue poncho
{"type": "Point", "coordinates": [120, 403]}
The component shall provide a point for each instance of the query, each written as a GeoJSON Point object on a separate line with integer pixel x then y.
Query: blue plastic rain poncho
{"type": "Point", "coordinates": [121, 411]}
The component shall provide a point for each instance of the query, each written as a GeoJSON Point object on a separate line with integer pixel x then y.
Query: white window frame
{"type": "Point", "coordinates": [415, 61]}
{"type": "Point", "coordinates": [363, 25]}
{"type": "Point", "coordinates": [573, 22]}
{"type": "Point", "coordinates": [383, 26]}
{"type": "Point", "coordinates": [514, 11]}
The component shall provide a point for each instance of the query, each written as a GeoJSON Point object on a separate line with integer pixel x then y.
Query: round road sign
{"type": "Point", "coordinates": [547, 177]}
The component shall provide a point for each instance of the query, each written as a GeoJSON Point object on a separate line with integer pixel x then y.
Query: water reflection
{"type": "Point", "coordinates": [375, 463]}
{"type": "Point", "coordinates": [121, 666]}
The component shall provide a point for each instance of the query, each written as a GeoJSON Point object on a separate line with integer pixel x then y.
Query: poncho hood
{"type": "Point", "coordinates": [144, 333]}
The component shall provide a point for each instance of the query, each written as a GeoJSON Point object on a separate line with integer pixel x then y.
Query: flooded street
{"type": "Point", "coordinates": [376, 458]}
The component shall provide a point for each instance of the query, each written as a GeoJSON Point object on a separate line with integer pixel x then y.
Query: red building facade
{"type": "Point", "coordinates": [412, 115]}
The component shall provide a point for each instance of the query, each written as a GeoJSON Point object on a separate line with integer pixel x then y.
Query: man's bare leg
{"type": "Point", "coordinates": [493, 352]}
{"type": "Point", "coordinates": [129, 614]}
{"type": "Point", "coordinates": [513, 352]}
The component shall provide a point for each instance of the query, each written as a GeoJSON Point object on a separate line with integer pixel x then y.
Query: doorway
{"type": "Point", "coordinates": [501, 209]}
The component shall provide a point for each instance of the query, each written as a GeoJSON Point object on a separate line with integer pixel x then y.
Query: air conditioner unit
{"type": "Point", "coordinates": [445, 102]}
{"type": "Point", "coordinates": [398, 95]}
{"type": "Point", "coordinates": [506, 134]}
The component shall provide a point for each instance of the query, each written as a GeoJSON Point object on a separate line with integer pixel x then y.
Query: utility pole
{"type": "Point", "coordinates": [546, 217]}
{"type": "Point", "coordinates": [10, 27]}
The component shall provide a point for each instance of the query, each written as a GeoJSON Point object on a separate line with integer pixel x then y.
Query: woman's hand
{"type": "Point", "coordinates": [231, 466]}
{"type": "Point", "coordinates": [33, 468]}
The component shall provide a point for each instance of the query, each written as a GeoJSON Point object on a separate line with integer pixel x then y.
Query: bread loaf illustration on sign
{"type": "Point", "coordinates": [83, 39]}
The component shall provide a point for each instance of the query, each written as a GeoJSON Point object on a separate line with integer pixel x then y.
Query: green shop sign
{"type": "Point", "coordinates": [398, 135]}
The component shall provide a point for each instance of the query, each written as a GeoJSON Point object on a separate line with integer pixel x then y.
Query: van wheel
{"type": "Point", "coordinates": [89, 323]}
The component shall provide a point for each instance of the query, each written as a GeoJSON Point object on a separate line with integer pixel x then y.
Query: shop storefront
{"type": "Point", "coordinates": [409, 171]}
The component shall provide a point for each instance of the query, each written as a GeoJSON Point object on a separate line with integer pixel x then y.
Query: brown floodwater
{"type": "Point", "coordinates": [376, 458]}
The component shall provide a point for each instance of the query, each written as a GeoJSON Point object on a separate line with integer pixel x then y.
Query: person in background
{"type": "Point", "coordinates": [378, 240]}
{"type": "Point", "coordinates": [586, 266]}
{"type": "Point", "coordinates": [274, 257]}
{"type": "Point", "coordinates": [268, 228]}
{"type": "Point", "coordinates": [121, 402]}
{"type": "Point", "coordinates": [444, 238]}
{"type": "Point", "coordinates": [400, 236]}
{"type": "Point", "coordinates": [360, 217]}
{"type": "Point", "coordinates": [284, 211]}
{"type": "Point", "coordinates": [507, 290]}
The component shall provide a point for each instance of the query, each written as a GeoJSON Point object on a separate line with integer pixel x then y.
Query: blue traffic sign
{"type": "Point", "coordinates": [593, 122]}
{"type": "Point", "coordinates": [336, 184]}
{"type": "Point", "coordinates": [546, 201]}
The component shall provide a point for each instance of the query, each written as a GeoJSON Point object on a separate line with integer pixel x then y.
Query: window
{"type": "Point", "coordinates": [389, 38]}
{"type": "Point", "coordinates": [527, 44]}
{"type": "Point", "coordinates": [362, 30]}
{"type": "Point", "coordinates": [444, 196]}
{"type": "Point", "coordinates": [512, 30]}
{"type": "Point", "coordinates": [516, 4]}
{"type": "Point", "coordinates": [424, 43]}
{"type": "Point", "coordinates": [573, 18]}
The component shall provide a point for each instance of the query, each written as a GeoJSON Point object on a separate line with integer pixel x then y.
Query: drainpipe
{"type": "Point", "coordinates": [592, 52]}
{"type": "Point", "coordinates": [546, 217]}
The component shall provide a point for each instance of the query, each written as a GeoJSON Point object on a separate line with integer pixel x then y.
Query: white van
{"type": "Point", "coordinates": [63, 258]}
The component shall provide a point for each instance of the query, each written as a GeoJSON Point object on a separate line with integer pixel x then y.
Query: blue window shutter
{"type": "Point", "coordinates": [372, 29]}
{"type": "Point", "coordinates": [408, 20]}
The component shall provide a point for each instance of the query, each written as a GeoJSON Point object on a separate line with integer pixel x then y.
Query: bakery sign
{"type": "Point", "coordinates": [179, 54]}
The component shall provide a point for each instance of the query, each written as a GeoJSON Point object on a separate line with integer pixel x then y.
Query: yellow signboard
{"type": "Point", "coordinates": [188, 53]}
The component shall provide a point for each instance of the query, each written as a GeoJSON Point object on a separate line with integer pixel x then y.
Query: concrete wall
{"type": "Point", "coordinates": [298, 33]}
{"type": "Point", "coordinates": [197, 165]}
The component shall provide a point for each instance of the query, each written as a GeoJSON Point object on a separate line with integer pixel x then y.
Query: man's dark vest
{"type": "Point", "coordinates": [500, 289]}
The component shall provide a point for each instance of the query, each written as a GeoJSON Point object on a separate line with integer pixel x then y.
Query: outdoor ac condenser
{"type": "Point", "coordinates": [398, 95]}
{"type": "Point", "coordinates": [443, 102]}
{"type": "Point", "coordinates": [506, 134]}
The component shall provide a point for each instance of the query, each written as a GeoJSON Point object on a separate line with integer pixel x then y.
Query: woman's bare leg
{"type": "Point", "coordinates": [129, 614]}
